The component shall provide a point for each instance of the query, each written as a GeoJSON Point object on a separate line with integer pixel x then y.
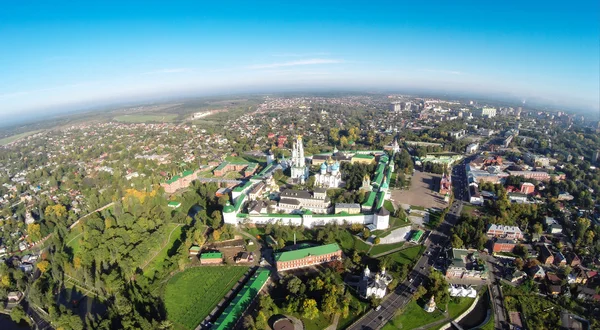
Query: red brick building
{"type": "Point", "coordinates": [503, 245]}
{"type": "Point", "coordinates": [527, 188]}
{"type": "Point", "coordinates": [281, 140]}
{"type": "Point", "coordinates": [307, 257]}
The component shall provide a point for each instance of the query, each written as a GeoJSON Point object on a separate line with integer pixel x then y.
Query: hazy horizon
{"type": "Point", "coordinates": [71, 56]}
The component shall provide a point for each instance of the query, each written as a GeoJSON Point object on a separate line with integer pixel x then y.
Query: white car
{"type": "Point", "coordinates": [377, 308]}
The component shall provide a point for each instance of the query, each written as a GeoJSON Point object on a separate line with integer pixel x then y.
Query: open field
{"type": "Point", "coordinates": [406, 256]}
{"type": "Point", "coordinates": [157, 262]}
{"type": "Point", "coordinates": [413, 316]}
{"type": "Point", "coordinates": [14, 138]}
{"type": "Point", "coordinates": [420, 192]}
{"type": "Point", "coordinates": [74, 238]}
{"type": "Point", "coordinates": [381, 248]}
{"type": "Point", "coordinates": [192, 294]}
{"type": "Point", "coordinates": [157, 118]}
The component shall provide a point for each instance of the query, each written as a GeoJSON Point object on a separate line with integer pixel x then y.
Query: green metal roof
{"type": "Point", "coordinates": [242, 187]}
{"type": "Point", "coordinates": [416, 236]}
{"type": "Point", "coordinates": [363, 156]}
{"type": "Point", "coordinates": [381, 196]}
{"type": "Point", "coordinates": [195, 248]}
{"type": "Point", "coordinates": [371, 199]}
{"type": "Point", "coordinates": [211, 255]}
{"type": "Point", "coordinates": [177, 177]}
{"type": "Point", "coordinates": [239, 202]}
{"type": "Point", "coordinates": [313, 251]}
{"type": "Point", "coordinates": [228, 208]}
{"type": "Point", "coordinates": [238, 305]}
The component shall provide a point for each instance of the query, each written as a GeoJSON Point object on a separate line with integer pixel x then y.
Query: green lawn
{"type": "Point", "coordinates": [157, 262]}
{"type": "Point", "coordinates": [413, 316]}
{"type": "Point", "coordinates": [319, 323]}
{"type": "Point", "coordinates": [381, 248]}
{"type": "Point", "coordinates": [192, 294]}
{"type": "Point", "coordinates": [417, 207]}
{"type": "Point", "coordinates": [13, 138]}
{"type": "Point", "coordinates": [74, 238]}
{"type": "Point", "coordinates": [388, 206]}
{"type": "Point", "coordinates": [406, 256]}
{"type": "Point", "coordinates": [470, 209]}
{"type": "Point", "coordinates": [354, 315]}
{"type": "Point", "coordinates": [157, 118]}
{"type": "Point", "coordinates": [350, 242]}
{"type": "Point", "coordinates": [457, 308]}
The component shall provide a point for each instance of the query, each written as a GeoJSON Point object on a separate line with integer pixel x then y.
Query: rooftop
{"type": "Point", "coordinates": [311, 251]}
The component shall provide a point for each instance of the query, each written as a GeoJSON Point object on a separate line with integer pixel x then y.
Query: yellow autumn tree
{"type": "Point", "coordinates": [33, 232]}
{"type": "Point", "coordinates": [43, 266]}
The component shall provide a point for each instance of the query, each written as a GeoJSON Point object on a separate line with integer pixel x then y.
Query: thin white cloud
{"type": "Point", "coordinates": [19, 93]}
{"type": "Point", "coordinates": [312, 61]}
{"type": "Point", "coordinates": [171, 70]}
{"type": "Point", "coordinates": [299, 54]}
{"type": "Point", "coordinates": [445, 71]}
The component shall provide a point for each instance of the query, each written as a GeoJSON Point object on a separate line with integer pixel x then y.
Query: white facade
{"type": "Point", "coordinates": [374, 284]}
{"type": "Point", "coordinates": [329, 176]}
{"type": "Point", "coordinates": [472, 148]}
{"type": "Point", "coordinates": [299, 170]}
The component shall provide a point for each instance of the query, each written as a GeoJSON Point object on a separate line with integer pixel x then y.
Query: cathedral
{"type": "Point", "coordinates": [329, 176]}
{"type": "Point", "coordinates": [299, 170]}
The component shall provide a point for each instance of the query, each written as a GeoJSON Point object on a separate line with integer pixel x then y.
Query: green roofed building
{"type": "Point", "coordinates": [416, 236]}
{"type": "Point", "coordinates": [174, 204]}
{"type": "Point", "coordinates": [307, 257]}
{"type": "Point", "coordinates": [211, 258]}
{"type": "Point", "coordinates": [242, 300]}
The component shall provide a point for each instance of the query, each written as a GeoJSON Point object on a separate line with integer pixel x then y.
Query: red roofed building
{"type": "Point", "coordinates": [281, 140]}
{"type": "Point", "coordinates": [270, 135]}
{"type": "Point", "coordinates": [527, 188]}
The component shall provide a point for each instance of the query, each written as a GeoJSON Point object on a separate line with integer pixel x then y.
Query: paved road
{"type": "Point", "coordinates": [403, 293]}
{"type": "Point", "coordinates": [396, 300]}
{"type": "Point", "coordinates": [497, 297]}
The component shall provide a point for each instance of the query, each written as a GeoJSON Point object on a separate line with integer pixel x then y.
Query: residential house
{"type": "Point", "coordinates": [503, 245]}
{"type": "Point", "coordinates": [536, 272]}
{"type": "Point", "coordinates": [587, 294]}
{"type": "Point", "coordinates": [559, 259]}
{"type": "Point", "coordinates": [572, 259]}
{"type": "Point", "coordinates": [507, 232]}
{"type": "Point", "coordinates": [517, 276]}
{"type": "Point", "coordinates": [243, 257]}
{"type": "Point", "coordinates": [546, 256]}
{"type": "Point", "coordinates": [14, 296]}
{"type": "Point", "coordinates": [194, 250]}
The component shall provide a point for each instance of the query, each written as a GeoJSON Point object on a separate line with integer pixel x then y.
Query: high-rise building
{"type": "Point", "coordinates": [396, 107]}
{"type": "Point", "coordinates": [299, 168]}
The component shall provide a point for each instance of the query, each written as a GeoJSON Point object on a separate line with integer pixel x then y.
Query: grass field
{"type": "Point", "coordinates": [350, 242]}
{"type": "Point", "coordinates": [470, 209]}
{"type": "Point", "coordinates": [406, 256]}
{"type": "Point", "coordinates": [74, 237]}
{"type": "Point", "coordinates": [157, 118]}
{"type": "Point", "coordinates": [192, 294]}
{"type": "Point", "coordinates": [457, 308]}
{"type": "Point", "coordinates": [157, 262]}
{"type": "Point", "coordinates": [413, 316]}
{"type": "Point", "coordinates": [13, 138]}
{"type": "Point", "coordinates": [377, 249]}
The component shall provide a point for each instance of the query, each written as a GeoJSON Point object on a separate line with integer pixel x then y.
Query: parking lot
{"type": "Point", "coordinates": [421, 191]}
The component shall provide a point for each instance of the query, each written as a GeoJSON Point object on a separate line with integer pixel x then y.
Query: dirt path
{"type": "Point", "coordinates": [163, 246]}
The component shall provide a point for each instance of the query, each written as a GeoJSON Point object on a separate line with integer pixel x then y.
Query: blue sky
{"type": "Point", "coordinates": [65, 53]}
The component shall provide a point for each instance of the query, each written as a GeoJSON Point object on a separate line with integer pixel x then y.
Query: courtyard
{"type": "Point", "coordinates": [422, 191]}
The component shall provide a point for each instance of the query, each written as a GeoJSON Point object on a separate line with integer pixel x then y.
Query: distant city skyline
{"type": "Point", "coordinates": [65, 55]}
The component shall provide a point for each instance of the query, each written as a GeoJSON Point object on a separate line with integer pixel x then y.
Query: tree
{"type": "Point", "coordinates": [456, 242]}
{"type": "Point", "coordinates": [249, 322]}
{"type": "Point", "coordinates": [310, 310]}
{"type": "Point", "coordinates": [537, 228]}
{"type": "Point", "coordinates": [330, 304]}
{"type": "Point", "coordinates": [261, 321]}
{"type": "Point", "coordinates": [43, 266]}
{"type": "Point", "coordinates": [266, 304]}
{"type": "Point", "coordinates": [421, 291]}
{"type": "Point", "coordinates": [377, 240]}
{"type": "Point", "coordinates": [17, 314]}
{"type": "Point", "coordinates": [295, 285]}
{"type": "Point", "coordinates": [356, 228]}
{"type": "Point", "coordinates": [366, 232]}
{"type": "Point", "coordinates": [519, 263]}
{"type": "Point", "coordinates": [33, 231]}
